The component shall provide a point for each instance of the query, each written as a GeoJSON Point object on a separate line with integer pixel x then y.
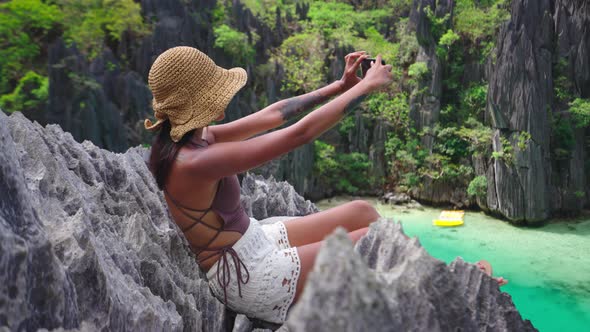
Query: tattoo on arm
{"type": "Point", "coordinates": [293, 106]}
{"type": "Point", "coordinates": [351, 106]}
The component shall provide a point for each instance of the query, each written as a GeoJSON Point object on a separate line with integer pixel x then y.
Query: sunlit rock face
{"type": "Point", "coordinates": [87, 243]}
{"type": "Point", "coordinates": [540, 38]}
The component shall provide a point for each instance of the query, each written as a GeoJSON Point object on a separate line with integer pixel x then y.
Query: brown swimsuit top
{"type": "Point", "coordinates": [226, 204]}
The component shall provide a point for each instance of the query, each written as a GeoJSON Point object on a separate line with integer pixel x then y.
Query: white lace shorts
{"type": "Point", "coordinates": [273, 268]}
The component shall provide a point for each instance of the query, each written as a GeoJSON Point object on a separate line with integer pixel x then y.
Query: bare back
{"type": "Point", "coordinates": [187, 189]}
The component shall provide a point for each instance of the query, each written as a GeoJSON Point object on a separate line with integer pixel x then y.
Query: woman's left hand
{"type": "Point", "coordinates": [353, 62]}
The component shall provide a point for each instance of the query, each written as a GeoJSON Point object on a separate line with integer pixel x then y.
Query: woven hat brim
{"type": "Point", "coordinates": [228, 83]}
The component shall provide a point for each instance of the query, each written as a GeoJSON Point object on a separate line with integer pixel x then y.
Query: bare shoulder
{"type": "Point", "coordinates": [190, 163]}
{"type": "Point", "coordinates": [188, 172]}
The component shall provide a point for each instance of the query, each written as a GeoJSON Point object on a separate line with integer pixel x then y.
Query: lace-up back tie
{"type": "Point", "coordinates": [238, 219]}
{"type": "Point", "coordinates": [223, 270]}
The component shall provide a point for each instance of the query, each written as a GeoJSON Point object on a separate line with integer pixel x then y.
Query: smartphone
{"type": "Point", "coordinates": [366, 65]}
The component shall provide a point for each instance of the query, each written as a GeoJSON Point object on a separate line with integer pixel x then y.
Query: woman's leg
{"type": "Point", "coordinates": [308, 253]}
{"type": "Point", "coordinates": [313, 228]}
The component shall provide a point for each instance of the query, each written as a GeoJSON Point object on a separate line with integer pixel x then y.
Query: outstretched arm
{"type": "Point", "coordinates": [228, 158]}
{"type": "Point", "coordinates": [280, 112]}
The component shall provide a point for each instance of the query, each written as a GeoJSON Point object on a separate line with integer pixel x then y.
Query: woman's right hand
{"type": "Point", "coordinates": [378, 75]}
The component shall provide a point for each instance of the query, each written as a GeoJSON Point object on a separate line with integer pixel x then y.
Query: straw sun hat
{"type": "Point", "coordinates": [190, 90]}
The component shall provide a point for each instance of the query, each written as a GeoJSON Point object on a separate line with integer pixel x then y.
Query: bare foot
{"type": "Point", "coordinates": [486, 267]}
{"type": "Point", "coordinates": [501, 281]}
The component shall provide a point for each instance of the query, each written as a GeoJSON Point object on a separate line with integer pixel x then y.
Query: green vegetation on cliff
{"type": "Point", "coordinates": [417, 131]}
{"type": "Point", "coordinates": [303, 56]}
{"type": "Point", "coordinates": [31, 93]}
{"type": "Point", "coordinates": [26, 27]}
{"type": "Point", "coordinates": [235, 44]}
{"type": "Point", "coordinates": [315, 35]}
{"type": "Point", "coordinates": [462, 39]}
{"type": "Point", "coordinates": [319, 31]}
{"type": "Point", "coordinates": [24, 24]}
{"type": "Point", "coordinates": [91, 24]}
{"type": "Point", "coordinates": [478, 187]}
{"type": "Point", "coordinates": [580, 110]}
{"type": "Point", "coordinates": [344, 172]}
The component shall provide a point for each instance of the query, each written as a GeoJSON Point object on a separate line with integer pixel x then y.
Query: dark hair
{"type": "Point", "coordinates": [164, 151]}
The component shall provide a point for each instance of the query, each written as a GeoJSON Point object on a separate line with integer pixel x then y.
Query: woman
{"type": "Point", "coordinates": [256, 270]}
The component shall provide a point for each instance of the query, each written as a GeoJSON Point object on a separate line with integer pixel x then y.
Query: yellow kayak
{"type": "Point", "coordinates": [449, 218]}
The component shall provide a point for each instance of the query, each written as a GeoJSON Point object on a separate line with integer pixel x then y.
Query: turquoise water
{"type": "Point", "coordinates": [548, 268]}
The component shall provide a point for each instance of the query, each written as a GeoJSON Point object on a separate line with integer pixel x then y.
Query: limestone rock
{"type": "Point", "coordinates": [87, 240]}
{"type": "Point", "coordinates": [425, 106]}
{"type": "Point", "coordinates": [425, 102]}
{"type": "Point", "coordinates": [263, 198]}
{"type": "Point", "coordinates": [442, 192]}
{"type": "Point", "coordinates": [387, 281]}
{"type": "Point", "coordinates": [414, 205]}
{"type": "Point", "coordinates": [87, 243]}
{"type": "Point", "coordinates": [532, 185]}
{"type": "Point", "coordinates": [396, 198]}
{"type": "Point", "coordinates": [79, 103]}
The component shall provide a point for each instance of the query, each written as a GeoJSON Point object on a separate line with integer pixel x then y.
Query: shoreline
{"type": "Point", "coordinates": [558, 219]}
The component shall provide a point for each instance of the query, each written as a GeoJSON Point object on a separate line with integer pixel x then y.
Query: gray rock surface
{"type": "Point", "coordinates": [81, 105]}
{"type": "Point", "coordinates": [396, 198]}
{"type": "Point", "coordinates": [425, 100]}
{"type": "Point", "coordinates": [534, 184]}
{"type": "Point", "coordinates": [86, 238]}
{"type": "Point", "coordinates": [86, 243]}
{"type": "Point", "coordinates": [263, 198]}
{"type": "Point", "coordinates": [520, 92]}
{"type": "Point", "coordinates": [388, 282]}
{"type": "Point", "coordinates": [442, 192]}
